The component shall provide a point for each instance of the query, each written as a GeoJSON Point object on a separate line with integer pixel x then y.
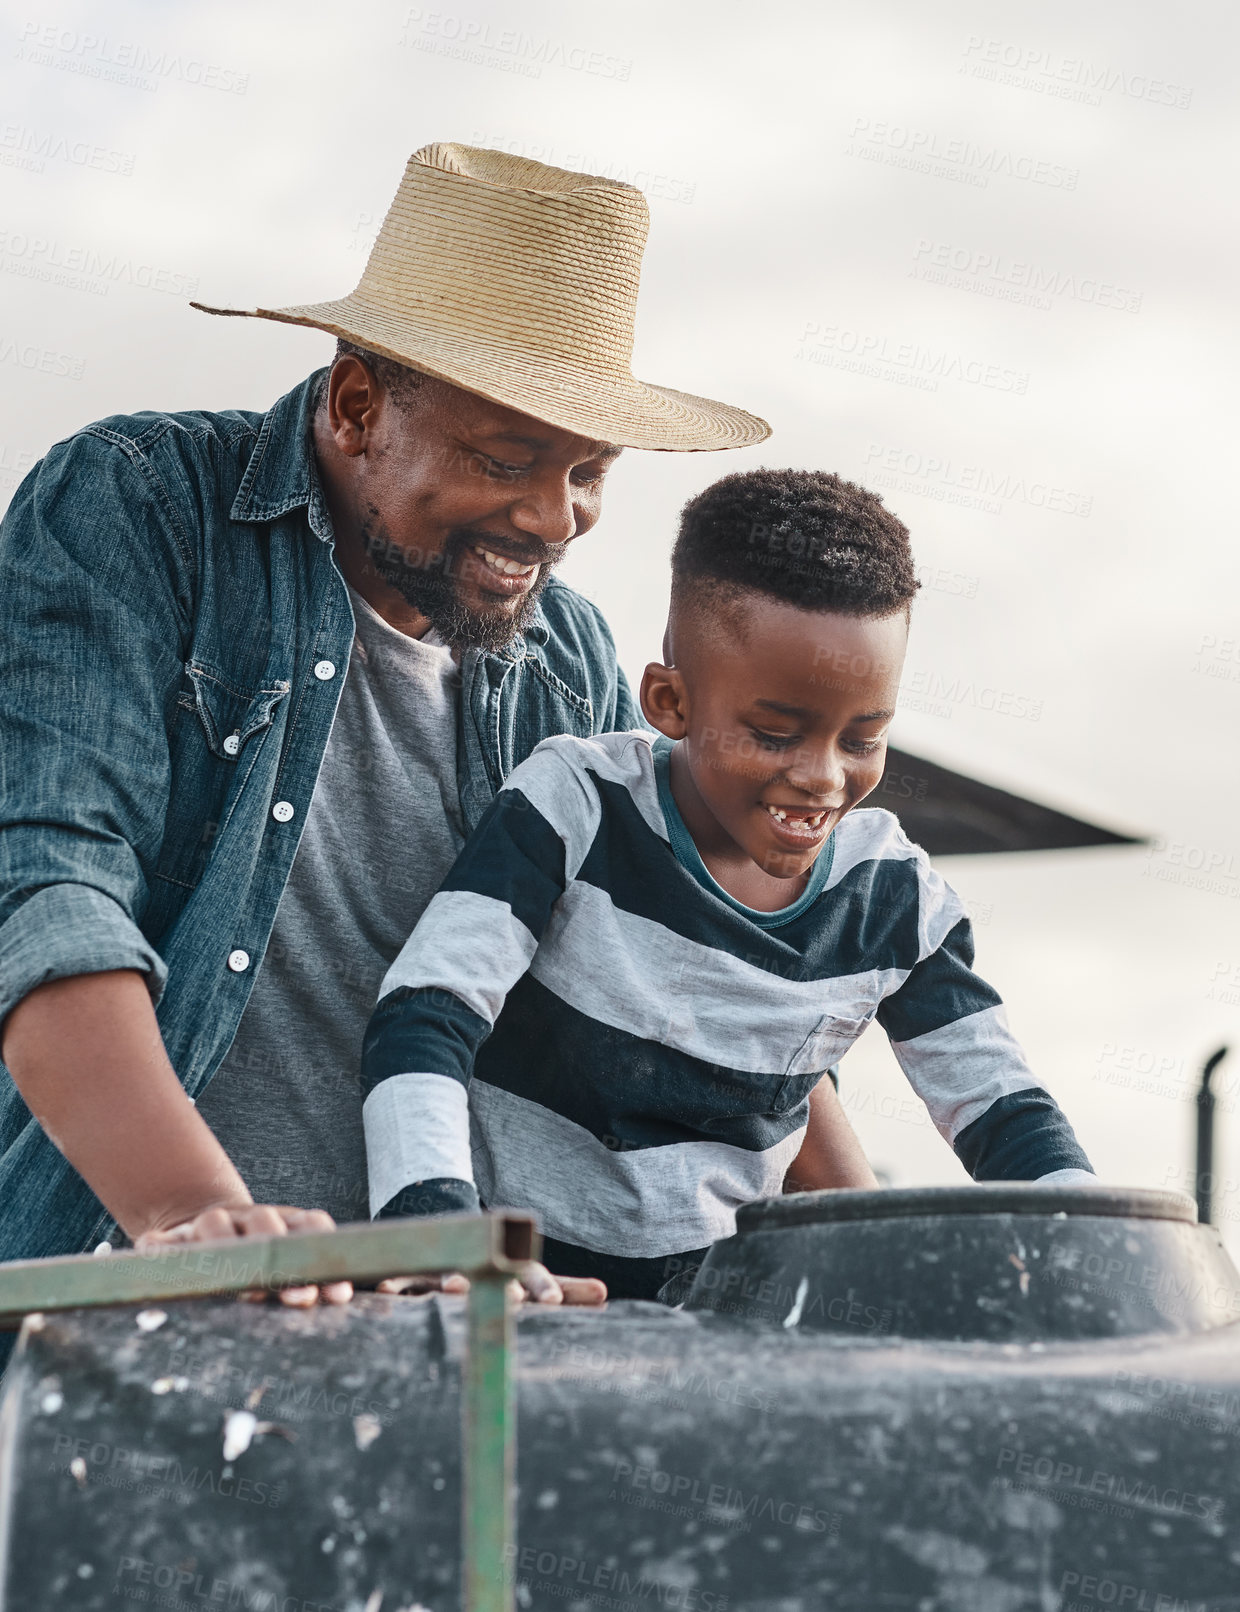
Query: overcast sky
{"type": "Point", "coordinates": [978, 257]}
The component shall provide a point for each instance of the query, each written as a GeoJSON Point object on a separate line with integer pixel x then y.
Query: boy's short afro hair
{"type": "Point", "coordinates": [803, 536]}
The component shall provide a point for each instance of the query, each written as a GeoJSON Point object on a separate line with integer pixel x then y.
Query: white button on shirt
{"type": "Point", "coordinates": [232, 744]}
{"type": "Point", "coordinates": [238, 961]}
{"type": "Point", "coordinates": [325, 670]}
{"type": "Point", "coordinates": [282, 811]}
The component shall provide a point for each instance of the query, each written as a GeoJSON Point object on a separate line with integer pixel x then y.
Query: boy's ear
{"type": "Point", "coordinates": [664, 702]}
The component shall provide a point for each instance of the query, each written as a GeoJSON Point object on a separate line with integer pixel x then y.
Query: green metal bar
{"type": "Point", "coordinates": [489, 1449]}
{"type": "Point", "coordinates": [364, 1252]}
{"type": "Point", "coordinates": [489, 1249]}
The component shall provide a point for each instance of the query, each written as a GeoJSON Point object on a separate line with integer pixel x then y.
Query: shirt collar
{"type": "Point", "coordinates": [281, 474]}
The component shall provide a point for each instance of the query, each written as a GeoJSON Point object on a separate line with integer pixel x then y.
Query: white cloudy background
{"type": "Point", "coordinates": [804, 162]}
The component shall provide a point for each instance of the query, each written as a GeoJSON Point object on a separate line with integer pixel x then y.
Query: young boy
{"type": "Point", "coordinates": [618, 1004]}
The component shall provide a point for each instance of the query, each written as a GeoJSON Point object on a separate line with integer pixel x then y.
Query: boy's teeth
{"type": "Point", "coordinates": [780, 814]}
{"type": "Point", "coordinates": [510, 568]}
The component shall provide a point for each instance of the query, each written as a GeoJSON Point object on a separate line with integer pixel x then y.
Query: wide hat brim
{"type": "Point", "coordinates": [604, 407]}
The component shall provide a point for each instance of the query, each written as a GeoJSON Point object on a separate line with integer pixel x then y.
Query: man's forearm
{"type": "Point", "coordinates": [87, 1057]}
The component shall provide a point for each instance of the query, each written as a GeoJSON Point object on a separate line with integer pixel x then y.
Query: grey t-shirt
{"type": "Point", "coordinates": [384, 827]}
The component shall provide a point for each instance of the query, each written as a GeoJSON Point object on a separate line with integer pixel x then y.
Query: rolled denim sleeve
{"type": "Point", "coordinates": [96, 583]}
{"type": "Point", "coordinates": [68, 929]}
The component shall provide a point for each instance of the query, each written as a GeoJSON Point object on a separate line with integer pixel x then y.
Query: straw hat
{"type": "Point", "coordinates": [519, 282]}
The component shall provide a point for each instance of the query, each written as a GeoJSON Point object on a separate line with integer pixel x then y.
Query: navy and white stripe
{"type": "Point", "coordinates": [585, 1030]}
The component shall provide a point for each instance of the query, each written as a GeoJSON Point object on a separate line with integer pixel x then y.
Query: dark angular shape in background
{"type": "Point", "coordinates": [950, 814]}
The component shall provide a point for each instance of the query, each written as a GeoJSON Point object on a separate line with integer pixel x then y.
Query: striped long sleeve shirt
{"type": "Point", "coordinates": [584, 1023]}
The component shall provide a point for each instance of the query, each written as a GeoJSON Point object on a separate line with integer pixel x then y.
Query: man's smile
{"type": "Point", "coordinates": [511, 568]}
{"type": "Point", "coordinates": [500, 573]}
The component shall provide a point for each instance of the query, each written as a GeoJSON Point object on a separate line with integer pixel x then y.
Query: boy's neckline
{"type": "Point", "coordinates": [690, 858]}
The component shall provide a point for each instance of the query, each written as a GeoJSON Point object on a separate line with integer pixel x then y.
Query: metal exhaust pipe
{"type": "Point", "coordinates": [1205, 1139]}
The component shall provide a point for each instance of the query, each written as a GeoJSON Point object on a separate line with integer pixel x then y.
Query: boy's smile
{"type": "Point", "coordinates": [783, 715]}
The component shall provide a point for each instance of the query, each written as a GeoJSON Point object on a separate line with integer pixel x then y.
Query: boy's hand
{"type": "Point", "coordinates": [257, 1220]}
{"type": "Point", "coordinates": [535, 1283]}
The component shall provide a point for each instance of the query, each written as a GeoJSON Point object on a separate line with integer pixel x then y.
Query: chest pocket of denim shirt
{"type": "Point", "coordinates": [220, 729]}
{"type": "Point", "coordinates": [827, 1042]}
{"type": "Point", "coordinates": [230, 716]}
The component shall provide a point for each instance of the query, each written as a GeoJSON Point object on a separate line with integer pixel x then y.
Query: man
{"type": "Point", "coordinates": [261, 674]}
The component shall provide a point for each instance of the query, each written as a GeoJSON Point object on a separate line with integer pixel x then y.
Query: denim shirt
{"type": "Point", "coordinates": [175, 639]}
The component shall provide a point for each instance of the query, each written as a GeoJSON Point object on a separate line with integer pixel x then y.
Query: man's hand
{"type": "Point", "coordinates": [257, 1220]}
{"type": "Point", "coordinates": [535, 1283]}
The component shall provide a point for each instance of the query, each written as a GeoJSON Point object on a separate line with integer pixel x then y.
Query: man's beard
{"type": "Point", "coordinates": [431, 588]}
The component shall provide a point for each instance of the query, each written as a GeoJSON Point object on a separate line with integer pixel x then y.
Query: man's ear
{"type": "Point", "coordinates": [665, 704]}
{"type": "Point", "coordinates": [352, 404]}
